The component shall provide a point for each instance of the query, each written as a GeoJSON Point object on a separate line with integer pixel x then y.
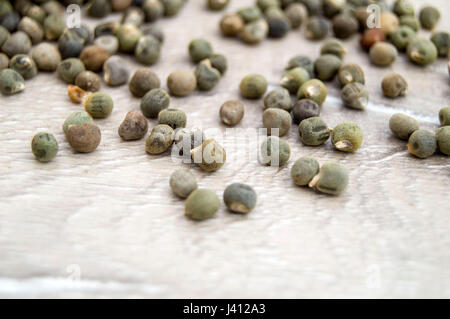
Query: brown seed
{"type": "Point", "coordinates": [75, 93]}
{"type": "Point", "coordinates": [94, 57]}
{"type": "Point", "coordinates": [389, 22]}
{"type": "Point", "coordinates": [370, 37]}
{"type": "Point", "coordinates": [181, 82]}
{"type": "Point", "coordinates": [232, 112]}
{"type": "Point", "coordinates": [143, 80]}
{"type": "Point", "coordinates": [134, 126]}
{"type": "Point", "coordinates": [84, 137]}
{"type": "Point", "coordinates": [231, 24]}
{"type": "Point", "coordinates": [88, 81]}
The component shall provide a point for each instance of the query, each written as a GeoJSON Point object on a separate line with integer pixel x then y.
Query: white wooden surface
{"type": "Point", "coordinates": [110, 219]}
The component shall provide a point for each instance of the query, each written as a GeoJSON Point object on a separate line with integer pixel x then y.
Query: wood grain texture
{"type": "Point", "coordinates": [111, 213]}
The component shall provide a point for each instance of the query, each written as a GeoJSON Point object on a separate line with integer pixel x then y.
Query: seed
{"type": "Point", "coordinates": [219, 62]}
{"type": "Point", "coordinates": [181, 82]}
{"type": "Point", "coordinates": [35, 12]}
{"type": "Point", "coordinates": [182, 183]}
{"type": "Point", "coordinates": [53, 7]}
{"type": "Point", "coordinates": [276, 121]}
{"type": "Point", "coordinates": [94, 57]}
{"type": "Point", "coordinates": [84, 137]}
{"type": "Point", "coordinates": [278, 98]}
{"type": "Point", "coordinates": [148, 50]}
{"type": "Point", "coordinates": [84, 32]}
{"type": "Point", "coordinates": [383, 54]}
{"type": "Point", "coordinates": [143, 80]}
{"type": "Point", "coordinates": [402, 36]}
{"type": "Point", "coordinates": [394, 85]}
{"type": "Point", "coordinates": [347, 137]}
{"type": "Point", "coordinates": [210, 156]}
{"type": "Point", "coordinates": [232, 112]}
{"type": "Point", "coordinates": [107, 28]}
{"type": "Point", "coordinates": [133, 127]}
{"type": "Point", "coordinates": [153, 10]}
{"type": "Point", "coordinates": [314, 90]}
{"type": "Point", "coordinates": [4, 35]}
{"type": "Point", "coordinates": [44, 147]}
{"type": "Point", "coordinates": [275, 151]}
{"type": "Point", "coordinates": [266, 4]}
{"type": "Point", "coordinates": [422, 143]}
{"type": "Point", "coordinates": [335, 47]}
{"type": "Point", "coordinates": [200, 49]}
{"type": "Point", "coordinates": [75, 93]}
{"type": "Point", "coordinates": [231, 24]}
{"type": "Point", "coordinates": [46, 56]}
{"type": "Point", "coordinates": [109, 43]}
{"type": "Point", "coordinates": [313, 6]}
{"type": "Point", "coordinates": [351, 73]}
{"type": "Point", "coordinates": [355, 96]}
{"type": "Point", "coordinates": [332, 179]}
{"type": "Point", "coordinates": [444, 116]}
{"type": "Point", "coordinates": [332, 7]}
{"type": "Point", "coordinates": [443, 139]}
{"type": "Point", "coordinates": [54, 26]}
{"type": "Point", "coordinates": [70, 44]}
{"type": "Point", "coordinates": [442, 42]}
{"type": "Point", "coordinates": [134, 16]}
{"type": "Point", "coordinates": [255, 32]}
{"type": "Point", "coordinates": [99, 8]}
{"type": "Point", "coordinates": [98, 104]}
{"type": "Point", "coordinates": [345, 25]}
{"type": "Point", "coordinates": [4, 61]}
{"type": "Point", "coordinates": [239, 198]}
{"type": "Point", "coordinates": [120, 5]}
{"type": "Point", "coordinates": [372, 36]}
{"type": "Point", "coordinates": [172, 117]}
{"type": "Point", "coordinates": [403, 8]}
{"type": "Point", "coordinates": [17, 43]}
{"type": "Point", "coordinates": [88, 81]}
{"type": "Point", "coordinates": [207, 76]}
{"type": "Point", "coordinates": [327, 66]}
{"type": "Point", "coordinates": [279, 26]}
{"type": "Point", "coordinates": [429, 17]}
{"type": "Point", "coordinates": [24, 65]}
{"type": "Point", "coordinates": [202, 204]}
{"type": "Point", "coordinates": [297, 14]}
{"type": "Point", "coordinates": [250, 14]}
{"type": "Point", "coordinates": [11, 82]}
{"type": "Point", "coordinates": [217, 5]}
{"type": "Point", "coordinates": [411, 22]}
{"type": "Point", "coordinates": [304, 170]}
{"type": "Point", "coordinates": [422, 51]}
{"type": "Point", "coordinates": [253, 86]}
{"type": "Point", "coordinates": [293, 79]}
{"type": "Point", "coordinates": [76, 117]}
{"type": "Point", "coordinates": [316, 28]}
{"type": "Point", "coordinates": [186, 140]}
{"type": "Point", "coordinates": [159, 140]}
{"type": "Point", "coordinates": [153, 30]}
{"type": "Point", "coordinates": [304, 109]}
{"type": "Point", "coordinates": [389, 22]}
{"type": "Point", "coordinates": [301, 61]}
{"type": "Point", "coordinates": [154, 102]}
{"type": "Point", "coordinates": [313, 131]}
{"type": "Point", "coordinates": [172, 7]}
{"type": "Point", "coordinates": [32, 28]}
{"type": "Point", "coordinates": [69, 69]}
{"type": "Point", "coordinates": [402, 125]}
{"type": "Point", "coordinates": [128, 36]}
{"type": "Point", "coordinates": [115, 71]}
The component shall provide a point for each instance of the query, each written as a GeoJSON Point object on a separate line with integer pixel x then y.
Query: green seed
{"type": "Point", "coordinates": [182, 183]}
{"type": "Point", "coordinates": [443, 139]}
{"type": "Point", "coordinates": [200, 49]}
{"type": "Point", "coordinates": [255, 31]}
{"type": "Point", "coordinates": [316, 28]}
{"type": "Point", "coordinates": [202, 204]}
{"type": "Point", "coordinates": [232, 112]}
{"type": "Point", "coordinates": [383, 54]}
{"type": "Point", "coordinates": [313, 131]}
{"type": "Point", "coordinates": [304, 170]}
{"type": "Point", "coordinates": [153, 30]}
{"type": "Point", "coordinates": [17, 43]}
{"type": "Point", "coordinates": [54, 26]}
{"type": "Point", "coordinates": [209, 156]}
{"type": "Point", "coordinates": [128, 36]}
{"type": "Point", "coordinates": [172, 7]}
{"type": "Point", "coordinates": [217, 5]}
{"type": "Point", "coordinates": [278, 98]}
{"type": "Point", "coordinates": [332, 179]}
{"type": "Point", "coordinates": [11, 82]}
{"type": "Point", "coordinates": [266, 4]}
{"type": "Point", "coordinates": [275, 151]}
{"type": "Point", "coordinates": [335, 47]}
{"type": "Point", "coordinates": [10, 20]}
{"type": "Point", "coordinates": [332, 7]}
{"type": "Point", "coordinates": [172, 117]}
{"type": "Point", "coordinates": [327, 66]}
{"type": "Point", "coordinates": [231, 24]}
{"type": "Point", "coordinates": [402, 125]}
{"type": "Point", "coordinates": [70, 44]}
{"type": "Point", "coordinates": [442, 42]}
{"type": "Point", "coordinates": [422, 143]}
{"type": "Point", "coordinates": [159, 140]}
{"type": "Point", "coordinates": [133, 15]}
{"type": "Point", "coordinates": [4, 35]}
{"type": "Point", "coordinates": [314, 6]}
{"type": "Point", "coordinates": [345, 25]}
{"type": "Point", "coordinates": [35, 12]}
{"type": "Point", "coordinates": [279, 24]}
{"type": "Point", "coordinates": [153, 10]}
{"type": "Point", "coordinates": [115, 71]}
{"type": "Point", "coordinates": [219, 62]}
{"type": "Point", "coordinates": [276, 121]}
{"type": "Point", "coordinates": [403, 8]}
{"type": "Point", "coordinates": [314, 90]}
{"type": "Point", "coordinates": [297, 14]}
{"type": "Point", "coordinates": [88, 81]}
{"type": "Point", "coordinates": [239, 198]}
{"type": "Point", "coordinates": [46, 56]}
{"type": "Point", "coordinates": [253, 86]}
{"type": "Point", "coordinates": [76, 117]}
{"type": "Point", "coordinates": [347, 137]}
{"type": "Point", "coordinates": [351, 73]}
{"type": "Point", "coordinates": [98, 104]}
{"type": "Point", "coordinates": [5, 7]}
{"type": "Point", "coordinates": [355, 95]}
{"type": "Point", "coordinates": [44, 147]}
{"type": "Point", "coordinates": [99, 8]}
{"type": "Point", "coordinates": [84, 137]}
{"type": "Point", "coordinates": [422, 51]}
{"type": "Point", "coordinates": [411, 22]}
{"type": "Point", "coordinates": [109, 43]}
{"type": "Point", "coordinates": [4, 61]}
{"type": "Point", "coordinates": [207, 76]}
{"type": "Point", "coordinates": [444, 116]}
{"type": "Point", "coordinates": [250, 14]}
{"type": "Point", "coordinates": [143, 80]}
{"type": "Point", "coordinates": [148, 50]}
{"type": "Point", "coordinates": [154, 102]}
{"type": "Point", "coordinates": [24, 65]}
{"type": "Point", "coordinates": [293, 79]}
{"type": "Point", "coordinates": [181, 82]}
{"type": "Point", "coordinates": [304, 109]}
{"type": "Point", "coordinates": [301, 61]}
{"type": "Point", "coordinates": [32, 28]}
{"type": "Point", "coordinates": [69, 69]}
{"type": "Point", "coordinates": [394, 85]}
{"type": "Point", "coordinates": [429, 17]}
{"type": "Point", "coordinates": [133, 127]}
{"type": "Point", "coordinates": [402, 36]}
{"type": "Point", "coordinates": [53, 7]}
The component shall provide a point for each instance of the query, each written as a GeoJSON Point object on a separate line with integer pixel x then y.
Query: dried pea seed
{"type": "Point", "coordinates": [316, 28]}
{"type": "Point", "coordinates": [266, 4]}
{"type": "Point", "coordinates": [109, 43]}
{"type": "Point", "coordinates": [172, 7]}
{"type": "Point", "coordinates": [231, 24]}
{"type": "Point", "coordinates": [202, 204]}
{"type": "Point", "coordinates": [70, 44]}
{"type": "Point", "coordinates": [429, 17]}
{"type": "Point", "coordinates": [133, 127]}
{"type": "Point", "coordinates": [232, 112]}
{"type": "Point", "coordinates": [99, 8]}
{"type": "Point", "coordinates": [172, 117]}
{"type": "Point", "coordinates": [332, 179]}
{"type": "Point", "coordinates": [394, 85]}
{"type": "Point", "coordinates": [389, 22]}
{"type": "Point", "coordinates": [94, 57]}
{"type": "Point", "coordinates": [276, 121]}
{"type": "Point", "coordinates": [153, 10]}
{"type": "Point", "coordinates": [69, 69]}
{"type": "Point", "coordinates": [279, 25]}
{"type": "Point", "coordinates": [153, 30]}
{"type": "Point", "coordinates": [347, 137]}
{"type": "Point", "coordinates": [313, 6]}
{"type": "Point", "coordinates": [88, 81]}
{"type": "Point", "coordinates": [314, 90]}
{"type": "Point", "coordinates": [107, 28]}
{"type": "Point", "coordinates": [11, 82]}
{"type": "Point", "coordinates": [345, 25]}
{"type": "Point", "coordinates": [372, 36]}
{"type": "Point", "coordinates": [200, 49]}
{"type": "Point", "coordinates": [293, 79]}
{"type": "Point", "coordinates": [115, 71]}
{"type": "Point", "coordinates": [250, 14]}
{"type": "Point", "coordinates": [76, 117]}
{"type": "Point", "coordinates": [128, 36]}
{"type": "Point", "coordinates": [253, 86]}
{"type": "Point", "coordinates": [4, 35]}
{"type": "Point", "coordinates": [442, 42]}
{"type": "Point", "coordinates": [355, 95]}
{"type": "Point", "coordinates": [351, 73]}
{"type": "Point", "coordinates": [182, 183]}
{"type": "Point", "coordinates": [301, 61]}
{"type": "Point", "coordinates": [134, 16]}
{"type": "Point", "coordinates": [210, 156]}
{"type": "Point", "coordinates": [297, 14]}
{"type": "Point", "coordinates": [278, 98]}
{"type": "Point", "coordinates": [275, 151]}
{"type": "Point", "coordinates": [54, 26]}
{"type": "Point", "coordinates": [84, 137]}
{"type": "Point", "coordinates": [154, 102]}
{"type": "Point", "coordinates": [313, 131]}
{"type": "Point", "coordinates": [35, 12]}
{"type": "Point", "coordinates": [32, 28]}
{"type": "Point", "coordinates": [159, 140]}
{"type": "Point", "coordinates": [10, 20]}
{"type": "Point", "coordinates": [304, 109]}
{"type": "Point", "coordinates": [207, 76]}
{"type": "Point", "coordinates": [4, 61]}
{"type": "Point", "coordinates": [332, 7]}
{"type": "Point", "coordinates": [148, 50]}
{"type": "Point", "coordinates": [239, 198]}
{"type": "Point", "coordinates": [403, 8]}
{"type": "Point", "coordinates": [120, 5]}
{"type": "Point", "coordinates": [143, 80]}
{"type": "Point", "coordinates": [255, 31]}
{"type": "Point", "coordinates": [402, 36]}
{"type": "Point", "coordinates": [335, 47]}
{"type": "Point", "coordinates": [219, 62]}
{"type": "Point", "coordinates": [217, 5]}
{"type": "Point", "coordinates": [383, 54]}
{"type": "Point", "coordinates": [411, 22]}
{"type": "Point", "coordinates": [46, 56]}
{"type": "Point", "coordinates": [24, 65]}
{"type": "Point", "coordinates": [402, 125]}
{"type": "Point", "coordinates": [327, 66]}
{"type": "Point", "coordinates": [444, 116]}
{"type": "Point", "coordinates": [304, 170]}
{"type": "Point", "coordinates": [98, 104]}
{"type": "Point", "coordinates": [181, 82]}
{"type": "Point", "coordinates": [443, 139]}
{"type": "Point", "coordinates": [17, 43]}
{"type": "Point", "coordinates": [422, 143]}
{"type": "Point", "coordinates": [422, 51]}
{"type": "Point", "coordinates": [44, 147]}
{"type": "Point", "coordinates": [186, 140]}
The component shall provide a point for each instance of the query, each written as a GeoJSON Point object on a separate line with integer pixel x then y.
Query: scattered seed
{"type": "Point", "coordinates": [17, 43]}
{"type": "Point", "coordinates": [444, 116]}
{"type": "Point", "coordinates": [293, 79]}
{"type": "Point", "coordinates": [24, 65]}
{"type": "Point", "coordinates": [181, 82]}
{"type": "Point", "coordinates": [314, 90]}
{"type": "Point", "coordinates": [304, 170]}
{"type": "Point", "coordinates": [232, 112]}
{"type": "Point", "coordinates": [313, 131]}
{"type": "Point", "coordinates": [172, 117]}
{"type": "Point", "coordinates": [143, 80]}
{"type": "Point", "coordinates": [94, 57]}
{"type": "Point", "coordinates": [115, 71]}
{"type": "Point", "coordinates": [84, 137]}
{"type": "Point", "coordinates": [383, 54]}
{"type": "Point", "coordinates": [304, 109]}
{"type": "Point", "coordinates": [275, 151]}
{"type": "Point", "coordinates": [394, 85]}
{"type": "Point", "coordinates": [109, 43]}
{"type": "Point", "coordinates": [98, 104]}
{"type": "Point", "coordinates": [429, 17]}
{"type": "Point", "coordinates": [402, 125]}
{"type": "Point", "coordinates": [332, 179]}
{"type": "Point", "coordinates": [202, 204]}
{"type": "Point", "coordinates": [422, 143]}
{"type": "Point", "coordinates": [159, 140]}
{"type": "Point", "coordinates": [210, 156]}
{"type": "Point", "coordinates": [239, 198]}
{"type": "Point", "coordinates": [69, 69]}
{"type": "Point", "coordinates": [327, 66]}
{"type": "Point", "coordinates": [148, 50]}
{"type": "Point", "coordinates": [253, 86]}
{"type": "Point", "coordinates": [231, 24]}
{"type": "Point", "coordinates": [422, 51]}
{"type": "Point", "coordinates": [44, 147]}
{"type": "Point", "coordinates": [76, 117]}
{"type": "Point", "coordinates": [46, 56]}
{"type": "Point", "coordinates": [207, 76]}
{"type": "Point", "coordinates": [351, 73]}
{"type": "Point", "coordinates": [154, 102]}
{"type": "Point", "coordinates": [276, 121]}
{"type": "Point", "coordinates": [443, 139]}
{"type": "Point", "coordinates": [133, 127]}
{"type": "Point", "coordinates": [88, 81]}
{"type": "Point", "coordinates": [11, 82]}
{"type": "Point", "coordinates": [182, 183]}
{"type": "Point", "coordinates": [347, 137]}
{"type": "Point", "coordinates": [278, 98]}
